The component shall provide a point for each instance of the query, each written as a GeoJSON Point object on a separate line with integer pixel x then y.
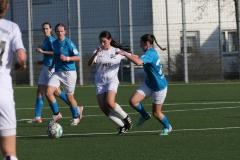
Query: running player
{"type": "Point", "coordinates": [65, 56]}
{"type": "Point", "coordinates": [10, 42]}
{"type": "Point", "coordinates": [45, 74]}
{"type": "Point", "coordinates": [155, 83]}
{"type": "Point", "coordinates": [106, 80]}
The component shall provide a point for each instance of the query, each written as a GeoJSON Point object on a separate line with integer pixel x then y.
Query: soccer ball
{"type": "Point", "coordinates": [54, 130]}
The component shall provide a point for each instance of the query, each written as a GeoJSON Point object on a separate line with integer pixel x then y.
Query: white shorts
{"type": "Point", "coordinates": [45, 75]}
{"type": "Point", "coordinates": [7, 118]}
{"type": "Point", "coordinates": [102, 88]}
{"type": "Point", "coordinates": [158, 97]}
{"type": "Point", "coordinates": [67, 78]}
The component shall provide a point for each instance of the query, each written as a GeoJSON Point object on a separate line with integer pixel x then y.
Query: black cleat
{"type": "Point", "coordinates": [122, 130]}
{"type": "Point", "coordinates": [128, 122]}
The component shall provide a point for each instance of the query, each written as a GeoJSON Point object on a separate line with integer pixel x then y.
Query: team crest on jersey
{"type": "Point", "coordinates": [112, 56]}
{"type": "Point", "coordinates": [75, 51]}
{"type": "Point", "coordinates": [61, 48]}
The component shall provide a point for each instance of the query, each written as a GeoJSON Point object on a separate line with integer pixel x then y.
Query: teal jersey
{"type": "Point", "coordinates": [153, 67]}
{"type": "Point", "coordinates": [47, 46]}
{"type": "Point", "coordinates": [67, 48]}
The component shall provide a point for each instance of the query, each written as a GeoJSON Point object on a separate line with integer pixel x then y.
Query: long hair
{"type": "Point", "coordinates": [150, 38]}
{"type": "Point", "coordinates": [107, 35]}
{"type": "Point", "coordinates": [47, 23]}
{"type": "Point", "coordinates": [3, 5]}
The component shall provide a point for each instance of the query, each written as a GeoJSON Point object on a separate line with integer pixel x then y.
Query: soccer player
{"type": "Point", "coordinates": [10, 42]}
{"type": "Point", "coordinates": [65, 56]}
{"type": "Point", "coordinates": [45, 74]}
{"type": "Point", "coordinates": [106, 79]}
{"type": "Point", "coordinates": [155, 83]}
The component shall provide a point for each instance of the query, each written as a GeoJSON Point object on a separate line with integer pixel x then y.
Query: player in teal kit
{"type": "Point", "coordinates": [65, 56]}
{"type": "Point", "coordinates": [45, 74]}
{"type": "Point", "coordinates": [155, 83]}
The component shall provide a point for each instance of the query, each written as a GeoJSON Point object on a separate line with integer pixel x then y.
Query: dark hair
{"type": "Point", "coordinates": [150, 38]}
{"type": "Point", "coordinates": [106, 34]}
{"type": "Point", "coordinates": [3, 5]}
{"type": "Point", "coordinates": [59, 24]}
{"type": "Point", "coordinates": [47, 23]}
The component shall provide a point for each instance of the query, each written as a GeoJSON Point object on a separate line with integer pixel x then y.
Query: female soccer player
{"type": "Point", "coordinates": [106, 80]}
{"type": "Point", "coordinates": [65, 56]}
{"type": "Point", "coordinates": [10, 42]}
{"type": "Point", "coordinates": [155, 83]}
{"type": "Point", "coordinates": [45, 74]}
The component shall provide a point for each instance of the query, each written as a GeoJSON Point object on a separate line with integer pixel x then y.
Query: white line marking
{"type": "Point", "coordinates": [114, 133]}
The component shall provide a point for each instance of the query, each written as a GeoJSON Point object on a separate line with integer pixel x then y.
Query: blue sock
{"type": "Point", "coordinates": [39, 107]}
{"type": "Point", "coordinates": [63, 97]}
{"type": "Point", "coordinates": [54, 107]}
{"type": "Point", "coordinates": [164, 122]}
{"type": "Point", "coordinates": [141, 110]}
{"type": "Point", "coordinates": [74, 111]}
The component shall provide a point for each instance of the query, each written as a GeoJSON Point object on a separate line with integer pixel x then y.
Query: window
{"type": "Point", "coordinates": [192, 41]}
{"type": "Point", "coordinates": [229, 41]}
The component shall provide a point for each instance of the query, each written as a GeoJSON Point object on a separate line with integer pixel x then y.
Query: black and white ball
{"type": "Point", "coordinates": [54, 130]}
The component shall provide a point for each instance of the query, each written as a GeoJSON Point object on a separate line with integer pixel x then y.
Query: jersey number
{"type": "Point", "coordinates": [159, 63]}
{"type": "Point", "coordinates": [2, 49]}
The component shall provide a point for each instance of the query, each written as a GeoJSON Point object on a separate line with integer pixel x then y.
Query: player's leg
{"type": "Point", "coordinates": [135, 101]}
{"type": "Point", "coordinates": [8, 129]}
{"type": "Point", "coordinates": [157, 103]}
{"type": "Point", "coordinates": [42, 83]}
{"type": "Point", "coordinates": [111, 114]}
{"type": "Point", "coordinates": [110, 100]}
{"type": "Point", "coordinates": [53, 84]}
{"type": "Point", "coordinates": [62, 95]}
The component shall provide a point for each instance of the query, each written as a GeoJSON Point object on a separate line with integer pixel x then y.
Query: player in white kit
{"type": "Point", "coordinates": [10, 42]}
{"type": "Point", "coordinates": [106, 80]}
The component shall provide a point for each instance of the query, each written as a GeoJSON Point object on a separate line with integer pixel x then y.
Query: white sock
{"type": "Point", "coordinates": [119, 111]}
{"type": "Point", "coordinates": [11, 158]}
{"type": "Point", "coordinates": [113, 117]}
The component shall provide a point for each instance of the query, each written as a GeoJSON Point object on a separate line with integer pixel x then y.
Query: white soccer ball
{"type": "Point", "coordinates": [54, 130]}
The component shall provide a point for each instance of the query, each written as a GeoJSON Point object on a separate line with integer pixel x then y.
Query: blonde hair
{"type": "Point", "coordinates": [3, 5]}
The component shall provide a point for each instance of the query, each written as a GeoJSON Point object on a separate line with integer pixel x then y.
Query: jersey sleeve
{"type": "Point", "coordinates": [146, 58]}
{"type": "Point", "coordinates": [73, 49]}
{"type": "Point", "coordinates": [17, 39]}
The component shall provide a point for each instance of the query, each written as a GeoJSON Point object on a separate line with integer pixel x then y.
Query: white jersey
{"type": "Point", "coordinates": [107, 66]}
{"type": "Point", "coordinates": [10, 41]}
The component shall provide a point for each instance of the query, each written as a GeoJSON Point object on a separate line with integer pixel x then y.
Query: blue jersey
{"type": "Point", "coordinates": [153, 67]}
{"type": "Point", "coordinates": [67, 48]}
{"type": "Point", "coordinates": [47, 46]}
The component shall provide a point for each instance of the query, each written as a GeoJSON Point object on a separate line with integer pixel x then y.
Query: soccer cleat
{"type": "Point", "coordinates": [75, 121]}
{"type": "Point", "coordinates": [128, 122]}
{"type": "Point", "coordinates": [142, 120]}
{"type": "Point", "coordinates": [55, 118]}
{"type": "Point", "coordinates": [166, 131]}
{"type": "Point", "coordinates": [35, 120]}
{"type": "Point", "coordinates": [122, 130]}
{"type": "Point", "coordinates": [80, 112]}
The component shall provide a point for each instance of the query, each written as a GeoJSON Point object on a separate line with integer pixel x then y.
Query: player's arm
{"type": "Point", "coordinates": [44, 52]}
{"type": "Point", "coordinates": [92, 59]}
{"type": "Point", "coordinates": [132, 57]}
{"type": "Point", "coordinates": [21, 62]}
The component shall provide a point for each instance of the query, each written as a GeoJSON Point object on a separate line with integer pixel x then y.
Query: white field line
{"type": "Point", "coordinates": [167, 104]}
{"type": "Point", "coordinates": [183, 110]}
{"type": "Point", "coordinates": [132, 132]}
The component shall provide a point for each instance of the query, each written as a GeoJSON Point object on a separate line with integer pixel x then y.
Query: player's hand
{"type": "Point", "coordinates": [39, 62]}
{"type": "Point", "coordinates": [99, 50]}
{"type": "Point", "coordinates": [20, 66]}
{"type": "Point", "coordinates": [63, 57]}
{"type": "Point", "coordinates": [50, 68]}
{"type": "Point", "coordinates": [39, 50]}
